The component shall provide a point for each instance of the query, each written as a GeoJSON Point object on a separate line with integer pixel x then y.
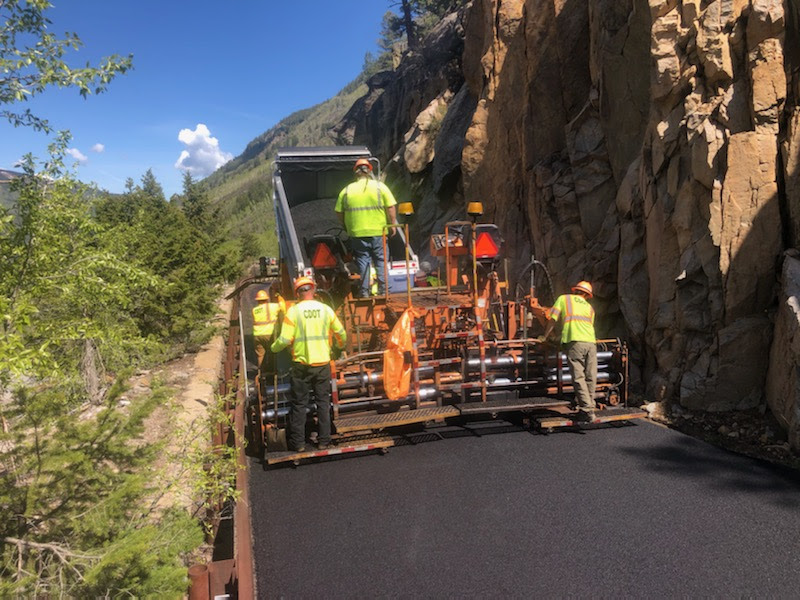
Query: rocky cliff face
{"type": "Point", "coordinates": [650, 146]}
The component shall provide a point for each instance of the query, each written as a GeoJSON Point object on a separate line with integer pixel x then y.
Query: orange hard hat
{"type": "Point", "coordinates": [583, 286]}
{"type": "Point", "coordinates": [302, 281]}
{"type": "Point", "coordinates": [262, 295]}
{"type": "Point", "coordinates": [362, 162]}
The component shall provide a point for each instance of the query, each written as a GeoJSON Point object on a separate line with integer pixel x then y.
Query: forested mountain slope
{"type": "Point", "coordinates": [241, 190]}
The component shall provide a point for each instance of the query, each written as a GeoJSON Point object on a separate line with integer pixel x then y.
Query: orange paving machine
{"type": "Point", "coordinates": [446, 346]}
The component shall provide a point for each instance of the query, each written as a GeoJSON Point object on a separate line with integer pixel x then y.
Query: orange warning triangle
{"type": "Point", "coordinates": [323, 257]}
{"type": "Point", "coordinates": [485, 246]}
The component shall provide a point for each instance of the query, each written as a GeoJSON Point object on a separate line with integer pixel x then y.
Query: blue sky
{"type": "Point", "coordinates": [235, 67]}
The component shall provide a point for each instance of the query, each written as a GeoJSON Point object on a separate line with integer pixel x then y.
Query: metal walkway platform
{"type": "Point", "coordinates": [395, 419]}
{"type": "Point", "coordinates": [361, 445]}
{"type": "Point", "coordinates": [608, 415]}
{"type": "Point", "coordinates": [508, 405]}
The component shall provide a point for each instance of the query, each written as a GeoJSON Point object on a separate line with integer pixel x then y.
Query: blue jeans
{"type": "Point", "coordinates": [368, 251]}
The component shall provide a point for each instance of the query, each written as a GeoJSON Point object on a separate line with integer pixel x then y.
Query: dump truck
{"type": "Point", "coordinates": [456, 345]}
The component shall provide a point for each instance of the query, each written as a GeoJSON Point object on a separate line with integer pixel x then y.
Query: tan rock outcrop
{"type": "Point", "coordinates": [635, 144]}
{"type": "Point", "coordinates": [419, 141]}
{"type": "Point", "coordinates": [681, 233]}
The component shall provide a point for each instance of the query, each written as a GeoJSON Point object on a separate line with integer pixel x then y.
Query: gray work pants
{"type": "Point", "coordinates": [306, 379]}
{"type": "Point", "coordinates": [582, 359]}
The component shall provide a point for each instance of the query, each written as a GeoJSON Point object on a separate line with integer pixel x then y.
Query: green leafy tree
{"type": "Point", "coordinates": [63, 289]}
{"type": "Point", "coordinates": [32, 60]}
{"type": "Point", "coordinates": [88, 289]}
{"type": "Point", "coordinates": [73, 489]}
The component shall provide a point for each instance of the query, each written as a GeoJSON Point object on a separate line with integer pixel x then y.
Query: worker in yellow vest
{"type": "Point", "coordinates": [310, 328]}
{"type": "Point", "coordinates": [365, 207]}
{"type": "Point", "coordinates": [579, 341]}
{"type": "Point", "coordinates": [265, 316]}
{"type": "Point", "coordinates": [373, 281]}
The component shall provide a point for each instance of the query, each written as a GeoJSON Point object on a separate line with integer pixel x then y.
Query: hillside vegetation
{"type": "Point", "coordinates": [94, 286]}
{"type": "Point", "coordinates": [241, 190]}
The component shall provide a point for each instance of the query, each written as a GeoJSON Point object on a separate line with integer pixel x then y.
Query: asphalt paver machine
{"type": "Point", "coordinates": [454, 345]}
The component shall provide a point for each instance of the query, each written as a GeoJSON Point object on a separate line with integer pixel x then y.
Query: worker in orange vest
{"type": "Point", "coordinates": [309, 328]}
{"type": "Point", "coordinates": [579, 341]}
{"type": "Point", "coordinates": [265, 317]}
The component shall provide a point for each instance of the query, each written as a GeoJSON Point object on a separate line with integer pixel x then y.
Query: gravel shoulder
{"type": "Point", "coordinates": [754, 433]}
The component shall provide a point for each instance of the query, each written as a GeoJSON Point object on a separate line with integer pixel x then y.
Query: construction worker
{"type": "Point", "coordinates": [309, 328]}
{"type": "Point", "coordinates": [578, 339]}
{"type": "Point", "coordinates": [365, 207]}
{"type": "Point", "coordinates": [430, 278]}
{"type": "Point", "coordinates": [265, 316]}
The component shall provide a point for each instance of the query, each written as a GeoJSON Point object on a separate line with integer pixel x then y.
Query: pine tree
{"type": "Point", "coordinates": [195, 203]}
{"type": "Point", "coordinates": [150, 186]}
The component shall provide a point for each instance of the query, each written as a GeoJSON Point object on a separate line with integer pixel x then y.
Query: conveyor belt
{"type": "Point", "coordinates": [395, 419]}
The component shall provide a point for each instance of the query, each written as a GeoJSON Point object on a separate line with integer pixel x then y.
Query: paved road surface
{"type": "Point", "coordinates": [635, 511]}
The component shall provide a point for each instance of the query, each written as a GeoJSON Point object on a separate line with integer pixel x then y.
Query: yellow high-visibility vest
{"type": "Point", "coordinates": [264, 318]}
{"type": "Point", "coordinates": [364, 203]}
{"type": "Point", "coordinates": [577, 316]}
{"type": "Point", "coordinates": [373, 281]}
{"type": "Point", "coordinates": [310, 327]}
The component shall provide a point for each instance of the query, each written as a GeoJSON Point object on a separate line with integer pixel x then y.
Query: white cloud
{"type": "Point", "coordinates": [202, 155]}
{"type": "Point", "coordinates": [77, 155]}
{"type": "Point", "coordinates": [98, 148]}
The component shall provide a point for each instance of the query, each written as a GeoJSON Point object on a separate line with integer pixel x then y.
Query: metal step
{"type": "Point", "coordinates": [604, 416]}
{"type": "Point", "coordinates": [507, 405]}
{"type": "Point", "coordinates": [364, 445]}
{"type": "Point", "coordinates": [395, 419]}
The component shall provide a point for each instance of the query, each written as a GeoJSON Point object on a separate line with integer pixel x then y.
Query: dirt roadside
{"type": "Point", "coordinates": [181, 423]}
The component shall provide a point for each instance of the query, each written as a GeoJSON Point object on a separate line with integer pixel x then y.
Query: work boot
{"type": "Point", "coordinates": [299, 449]}
{"type": "Point", "coordinates": [324, 445]}
{"type": "Point", "coordinates": [585, 417]}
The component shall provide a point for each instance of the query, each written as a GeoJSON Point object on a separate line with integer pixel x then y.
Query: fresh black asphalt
{"type": "Point", "coordinates": [636, 511]}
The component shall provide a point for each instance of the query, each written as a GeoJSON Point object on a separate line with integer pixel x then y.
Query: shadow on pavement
{"type": "Point", "coordinates": [721, 469]}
